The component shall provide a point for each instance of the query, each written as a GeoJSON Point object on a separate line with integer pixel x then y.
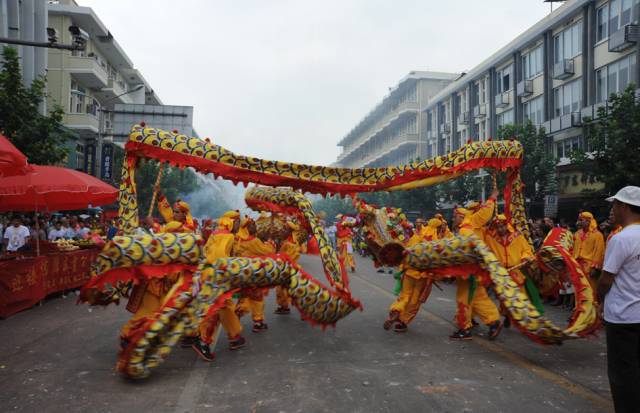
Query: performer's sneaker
{"type": "Point", "coordinates": [474, 323]}
{"type": "Point", "coordinates": [353, 269]}
{"type": "Point", "coordinates": [393, 317]}
{"type": "Point", "coordinates": [124, 342]}
{"type": "Point", "coordinates": [188, 341]}
{"type": "Point", "coordinates": [507, 322]}
{"type": "Point", "coordinates": [237, 343]}
{"type": "Point", "coordinates": [495, 329]}
{"type": "Point", "coordinates": [400, 327]}
{"type": "Point", "coordinates": [462, 334]}
{"type": "Point", "coordinates": [260, 327]}
{"type": "Point", "coordinates": [282, 310]}
{"type": "Point", "coordinates": [203, 350]}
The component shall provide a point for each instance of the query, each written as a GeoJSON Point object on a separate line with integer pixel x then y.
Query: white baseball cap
{"type": "Point", "coordinates": [629, 195]}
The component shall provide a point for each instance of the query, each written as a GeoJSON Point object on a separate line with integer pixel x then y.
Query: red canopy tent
{"type": "Point", "coordinates": [12, 161]}
{"type": "Point", "coordinates": [51, 188]}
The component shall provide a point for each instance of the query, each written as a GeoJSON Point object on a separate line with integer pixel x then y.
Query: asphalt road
{"type": "Point", "coordinates": [60, 357]}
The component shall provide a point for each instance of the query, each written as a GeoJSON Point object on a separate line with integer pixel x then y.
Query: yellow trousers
{"type": "Point", "coordinates": [480, 305]}
{"type": "Point", "coordinates": [282, 297]}
{"type": "Point", "coordinates": [408, 302]}
{"type": "Point", "coordinates": [225, 316]}
{"type": "Point", "coordinates": [256, 307]}
{"type": "Point", "coordinates": [150, 304]}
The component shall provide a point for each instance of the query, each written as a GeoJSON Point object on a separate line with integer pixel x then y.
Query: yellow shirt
{"type": "Point", "coordinates": [588, 247]}
{"type": "Point", "coordinates": [476, 222]}
{"type": "Point", "coordinates": [219, 245]}
{"type": "Point", "coordinates": [291, 249]}
{"type": "Point", "coordinates": [415, 239]}
{"type": "Point", "coordinates": [511, 250]}
{"type": "Point", "coordinates": [252, 247]}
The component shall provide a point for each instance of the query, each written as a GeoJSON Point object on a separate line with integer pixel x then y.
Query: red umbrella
{"type": "Point", "coordinates": [50, 188]}
{"type": "Point", "coordinates": [12, 161]}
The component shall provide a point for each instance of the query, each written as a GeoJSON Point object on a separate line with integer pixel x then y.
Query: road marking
{"type": "Point", "coordinates": [519, 361]}
{"type": "Point", "coordinates": [192, 388]}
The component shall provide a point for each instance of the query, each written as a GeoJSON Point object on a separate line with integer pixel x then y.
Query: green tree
{"type": "Point", "coordinates": [539, 166]}
{"type": "Point", "coordinates": [175, 182]}
{"type": "Point", "coordinates": [612, 151]}
{"type": "Point", "coordinates": [332, 206]}
{"type": "Point", "coordinates": [39, 137]}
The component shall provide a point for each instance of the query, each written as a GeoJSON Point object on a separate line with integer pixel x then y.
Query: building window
{"type": "Point", "coordinates": [532, 63]}
{"type": "Point", "coordinates": [568, 43]}
{"type": "Point", "coordinates": [621, 13]}
{"type": "Point", "coordinates": [79, 156]}
{"type": "Point", "coordinates": [602, 23]}
{"type": "Point", "coordinates": [505, 118]}
{"type": "Point", "coordinates": [615, 77]}
{"type": "Point", "coordinates": [503, 79]}
{"type": "Point", "coordinates": [76, 101]}
{"type": "Point", "coordinates": [566, 146]}
{"type": "Point", "coordinates": [533, 110]}
{"type": "Point", "coordinates": [482, 130]}
{"type": "Point", "coordinates": [483, 93]}
{"type": "Point", "coordinates": [567, 98]}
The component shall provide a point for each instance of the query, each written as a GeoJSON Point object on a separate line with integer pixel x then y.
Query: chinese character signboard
{"type": "Point", "coordinates": [106, 172]}
{"type": "Point", "coordinates": [90, 159]}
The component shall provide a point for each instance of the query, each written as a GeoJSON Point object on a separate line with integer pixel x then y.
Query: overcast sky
{"type": "Point", "coordinates": [287, 80]}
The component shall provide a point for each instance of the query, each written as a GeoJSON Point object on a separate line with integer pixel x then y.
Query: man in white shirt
{"type": "Point", "coordinates": [57, 232]}
{"type": "Point", "coordinates": [16, 236]}
{"type": "Point", "coordinates": [619, 286]}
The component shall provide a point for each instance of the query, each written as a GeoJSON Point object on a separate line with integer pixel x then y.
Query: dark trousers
{"type": "Point", "coordinates": [623, 364]}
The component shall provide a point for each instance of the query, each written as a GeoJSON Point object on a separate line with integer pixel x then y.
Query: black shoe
{"type": "Point", "coordinates": [380, 270]}
{"type": "Point", "coordinates": [260, 327]}
{"type": "Point", "coordinates": [507, 322]}
{"type": "Point", "coordinates": [282, 310]}
{"type": "Point", "coordinates": [393, 317]}
{"type": "Point", "coordinates": [495, 329]}
{"type": "Point", "coordinates": [474, 323]}
{"type": "Point", "coordinates": [237, 343]}
{"type": "Point", "coordinates": [187, 341]}
{"type": "Point", "coordinates": [462, 335]}
{"type": "Point", "coordinates": [203, 350]}
{"type": "Point", "coordinates": [400, 327]}
{"type": "Point", "coordinates": [124, 342]}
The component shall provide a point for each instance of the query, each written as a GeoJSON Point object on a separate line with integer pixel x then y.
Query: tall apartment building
{"type": "Point", "coordinates": [26, 20]}
{"type": "Point", "coordinates": [555, 74]}
{"type": "Point", "coordinates": [392, 133]}
{"type": "Point", "coordinates": [87, 84]}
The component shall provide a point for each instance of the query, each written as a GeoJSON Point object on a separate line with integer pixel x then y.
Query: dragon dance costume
{"type": "Point", "coordinates": [149, 295]}
{"type": "Point", "coordinates": [252, 300]}
{"type": "Point", "coordinates": [416, 284]}
{"type": "Point", "coordinates": [588, 248]}
{"type": "Point", "coordinates": [471, 294]}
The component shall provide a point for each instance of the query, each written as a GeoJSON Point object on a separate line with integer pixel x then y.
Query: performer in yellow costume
{"type": "Point", "coordinates": [148, 296]}
{"type": "Point", "coordinates": [513, 251]}
{"type": "Point", "coordinates": [247, 245]}
{"type": "Point", "coordinates": [220, 245]}
{"type": "Point", "coordinates": [471, 295]}
{"type": "Point", "coordinates": [344, 237]}
{"type": "Point", "coordinates": [588, 247]}
{"type": "Point", "coordinates": [290, 247]}
{"type": "Point", "coordinates": [416, 285]}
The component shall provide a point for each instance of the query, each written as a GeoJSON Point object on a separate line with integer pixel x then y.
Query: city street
{"type": "Point", "coordinates": [60, 357]}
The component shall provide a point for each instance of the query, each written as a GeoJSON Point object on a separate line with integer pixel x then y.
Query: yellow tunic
{"type": "Point", "coordinates": [290, 248]}
{"type": "Point", "coordinates": [254, 302]}
{"type": "Point", "coordinates": [510, 251]}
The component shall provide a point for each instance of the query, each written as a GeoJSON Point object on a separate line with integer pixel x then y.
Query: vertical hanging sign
{"type": "Point", "coordinates": [106, 171]}
{"type": "Point", "coordinates": [90, 159]}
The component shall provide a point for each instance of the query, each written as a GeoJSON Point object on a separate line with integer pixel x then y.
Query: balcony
{"type": "Point", "coordinates": [563, 69]}
{"type": "Point", "coordinates": [502, 100]}
{"type": "Point", "coordinates": [114, 89]}
{"type": "Point", "coordinates": [560, 123]}
{"type": "Point", "coordinates": [524, 88]}
{"type": "Point", "coordinates": [463, 118]}
{"type": "Point", "coordinates": [592, 111]}
{"type": "Point", "coordinates": [88, 71]}
{"type": "Point", "coordinates": [445, 128]}
{"type": "Point", "coordinates": [480, 111]}
{"type": "Point", "coordinates": [86, 124]}
{"type": "Point", "coordinates": [624, 38]}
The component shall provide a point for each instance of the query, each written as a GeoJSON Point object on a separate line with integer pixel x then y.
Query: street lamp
{"type": "Point", "coordinates": [98, 160]}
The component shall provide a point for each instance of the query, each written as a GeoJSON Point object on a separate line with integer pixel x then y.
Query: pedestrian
{"type": "Point", "coordinates": [16, 237]}
{"type": "Point", "coordinates": [619, 287]}
{"type": "Point", "coordinates": [57, 232]}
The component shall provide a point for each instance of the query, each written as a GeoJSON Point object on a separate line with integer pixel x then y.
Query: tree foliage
{"type": "Point", "coordinates": [539, 166]}
{"type": "Point", "coordinates": [612, 152]}
{"type": "Point", "coordinates": [39, 137]}
{"type": "Point", "coordinates": [175, 182]}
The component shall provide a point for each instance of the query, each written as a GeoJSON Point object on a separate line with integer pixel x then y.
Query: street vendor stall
{"type": "Point", "coordinates": [48, 267]}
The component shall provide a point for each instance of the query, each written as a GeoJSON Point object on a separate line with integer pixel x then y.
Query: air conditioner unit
{"type": "Point", "coordinates": [576, 119]}
{"type": "Point", "coordinates": [480, 111]}
{"type": "Point", "coordinates": [563, 69]}
{"type": "Point", "coordinates": [502, 100]}
{"type": "Point", "coordinates": [624, 38]}
{"type": "Point", "coordinates": [463, 118]}
{"type": "Point", "coordinates": [524, 88]}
